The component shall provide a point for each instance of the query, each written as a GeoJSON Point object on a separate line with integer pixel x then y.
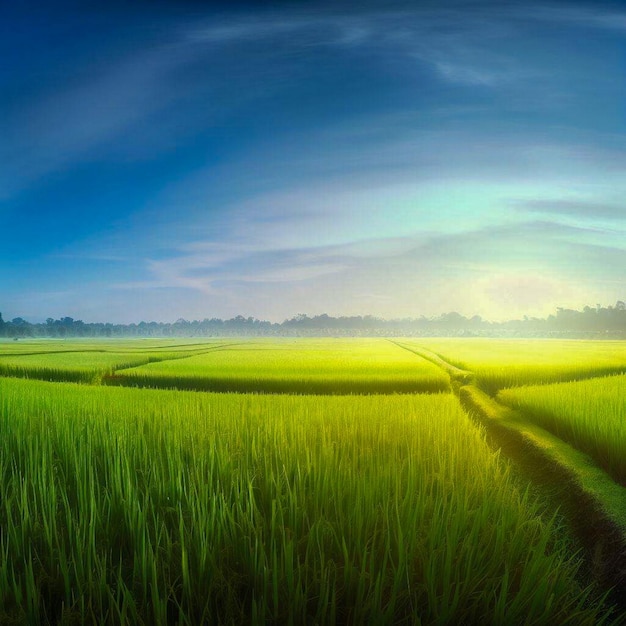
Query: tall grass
{"type": "Point", "coordinates": [98, 344]}
{"type": "Point", "coordinates": [85, 367]}
{"type": "Point", "coordinates": [590, 414]}
{"type": "Point", "coordinates": [503, 363]}
{"type": "Point", "coordinates": [88, 366]}
{"type": "Point", "coordinates": [150, 507]}
{"type": "Point", "coordinates": [301, 366]}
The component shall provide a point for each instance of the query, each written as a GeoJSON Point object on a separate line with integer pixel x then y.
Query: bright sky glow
{"type": "Point", "coordinates": [171, 159]}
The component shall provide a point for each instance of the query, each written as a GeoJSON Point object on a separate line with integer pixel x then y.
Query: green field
{"type": "Point", "coordinates": [591, 414]}
{"type": "Point", "coordinates": [41, 346]}
{"type": "Point", "coordinates": [89, 363]}
{"type": "Point", "coordinates": [84, 367]}
{"type": "Point", "coordinates": [501, 363]}
{"type": "Point", "coordinates": [368, 502]}
{"type": "Point", "coordinates": [331, 366]}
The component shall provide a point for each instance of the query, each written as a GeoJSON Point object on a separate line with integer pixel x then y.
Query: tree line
{"type": "Point", "coordinates": [598, 322]}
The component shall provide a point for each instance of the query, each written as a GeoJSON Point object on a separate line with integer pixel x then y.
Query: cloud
{"type": "Point", "coordinates": [498, 271]}
{"type": "Point", "coordinates": [466, 75]}
{"type": "Point", "coordinates": [302, 30]}
{"type": "Point", "coordinates": [83, 120]}
{"type": "Point", "coordinates": [516, 263]}
{"type": "Point", "coordinates": [396, 216]}
{"type": "Point", "coordinates": [586, 16]}
{"type": "Point", "coordinates": [70, 124]}
{"type": "Point", "coordinates": [90, 114]}
{"type": "Point", "coordinates": [590, 209]}
{"type": "Point", "coordinates": [457, 44]}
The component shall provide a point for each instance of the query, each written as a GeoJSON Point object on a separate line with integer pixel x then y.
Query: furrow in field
{"type": "Point", "coordinates": [499, 364]}
{"type": "Point", "coordinates": [589, 414]}
{"type": "Point", "coordinates": [457, 375]}
{"type": "Point", "coordinates": [593, 502]}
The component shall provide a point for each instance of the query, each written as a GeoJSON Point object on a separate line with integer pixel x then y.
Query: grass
{"type": "Point", "coordinates": [328, 366]}
{"type": "Point", "coordinates": [502, 363]}
{"type": "Point", "coordinates": [152, 507]}
{"type": "Point", "coordinates": [85, 367]}
{"type": "Point", "coordinates": [82, 367]}
{"type": "Point", "coordinates": [590, 414]}
{"type": "Point", "coordinates": [89, 363]}
{"type": "Point", "coordinates": [593, 502]}
{"type": "Point", "coordinates": [40, 346]}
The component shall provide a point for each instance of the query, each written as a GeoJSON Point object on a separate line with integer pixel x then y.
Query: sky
{"type": "Point", "coordinates": [165, 160]}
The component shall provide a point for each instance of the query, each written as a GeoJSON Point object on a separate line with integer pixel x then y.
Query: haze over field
{"type": "Point", "coordinates": [388, 158]}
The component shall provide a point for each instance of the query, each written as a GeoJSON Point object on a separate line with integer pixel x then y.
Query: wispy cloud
{"type": "Point", "coordinates": [468, 75]}
{"type": "Point", "coordinates": [460, 47]}
{"type": "Point", "coordinates": [584, 15]}
{"type": "Point", "coordinates": [498, 271]}
{"type": "Point", "coordinates": [301, 29]}
{"type": "Point", "coordinates": [70, 124]}
{"type": "Point", "coordinates": [527, 250]}
{"type": "Point", "coordinates": [83, 119]}
{"type": "Point", "coordinates": [587, 209]}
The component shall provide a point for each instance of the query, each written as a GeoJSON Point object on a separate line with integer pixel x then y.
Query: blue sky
{"type": "Point", "coordinates": [397, 159]}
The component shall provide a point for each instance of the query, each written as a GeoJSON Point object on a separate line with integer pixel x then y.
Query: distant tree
{"type": "Point", "coordinates": [589, 322]}
{"type": "Point", "coordinates": [19, 327]}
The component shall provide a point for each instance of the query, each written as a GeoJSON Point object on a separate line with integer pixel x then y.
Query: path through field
{"type": "Point", "coordinates": [594, 503]}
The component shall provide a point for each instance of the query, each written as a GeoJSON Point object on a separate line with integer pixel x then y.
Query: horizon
{"type": "Point", "coordinates": [618, 306]}
{"type": "Point", "coordinates": [170, 161]}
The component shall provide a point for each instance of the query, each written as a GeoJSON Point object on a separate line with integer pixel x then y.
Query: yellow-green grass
{"type": "Point", "coordinates": [89, 362]}
{"type": "Point", "coordinates": [329, 366]}
{"type": "Point", "coordinates": [152, 507]}
{"type": "Point", "coordinates": [590, 414]}
{"type": "Point", "coordinates": [84, 367]}
{"type": "Point", "coordinates": [40, 346]}
{"type": "Point", "coordinates": [502, 363]}
{"type": "Point", "coordinates": [594, 503]}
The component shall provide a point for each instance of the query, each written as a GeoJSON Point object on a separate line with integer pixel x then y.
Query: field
{"type": "Point", "coordinates": [333, 366]}
{"type": "Point", "coordinates": [500, 363]}
{"type": "Point", "coordinates": [368, 502]}
{"type": "Point", "coordinates": [591, 414]}
{"type": "Point", "coordinates": [150, 346]}
{"type": "Point", "coordinates": [86, 363]}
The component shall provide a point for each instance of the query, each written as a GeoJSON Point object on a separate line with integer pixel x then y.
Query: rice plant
{"type": "Point", "coordinates": [503, 363]}
{"type": "Point", "coordinates": [151, 507]}
{"type": "Point", "coordinates": [590, 414]}
{"type": "Point", "coordinates": [87, 365]}
{"type": "Point", "coordinates": [295, 366]}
